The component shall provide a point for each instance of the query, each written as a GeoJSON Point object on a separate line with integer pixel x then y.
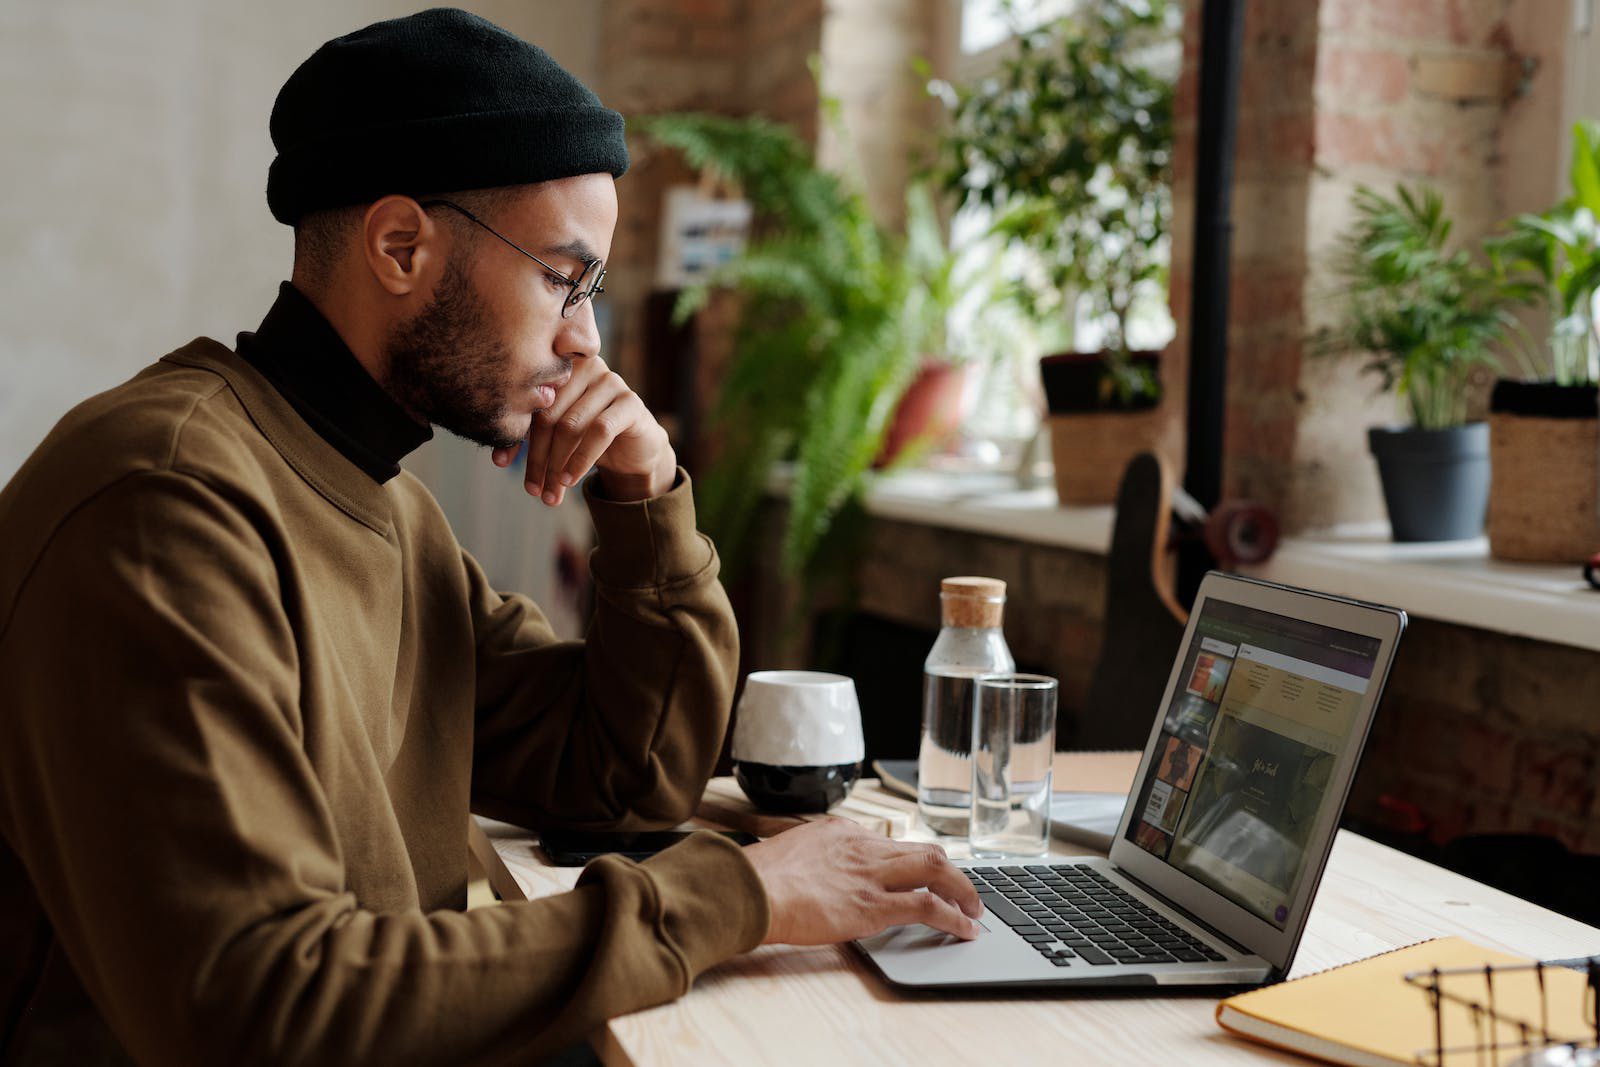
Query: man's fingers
{"type": "Point", "coordinates": [627, 411]}
{"type": "Point", "coordinates": [930, 909]}
{"type": "Point", "coordinates": [928, 866]}
{"type": "Point", "coordinates": [595, 441]}
{"type": "Point", "coordinates": [533, 470]}
{"type": "Point", "coordinates": [599, 415]}
{"type": "Point", "coordinates": [560, 430]}
{"type": "Point", "coordinates": [534, 479]}
{"type": "Point", "coordinates": [596, 420]}
{"type": "Point", "coordinates": [830, 881]}
{"type": "Point", "coordinates": [537, 476]}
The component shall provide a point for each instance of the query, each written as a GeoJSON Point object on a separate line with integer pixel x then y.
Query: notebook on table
{"type": "Point", "coordinates": [1371, 1014]}
{"type": "Point", "coordinates": [1222, 841]}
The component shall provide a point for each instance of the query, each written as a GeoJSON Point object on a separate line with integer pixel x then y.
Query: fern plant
{"type": "Point", "coordinates": [836, 319]}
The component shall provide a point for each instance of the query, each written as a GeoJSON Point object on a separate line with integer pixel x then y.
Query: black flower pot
{"type": "Point", "coordinates": [1435, 482]}
{"type": "Point", "coordinates": [1077, 382]}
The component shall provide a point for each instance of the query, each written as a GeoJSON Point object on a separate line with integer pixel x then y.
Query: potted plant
{"type": "Point", "coordinates": [930, 408]}
{"type": "Point", "coordinates": [838, 319]}
{"type": "Point", "coordinates": [1429, 316]}
{"type": "Point", "coordinates": [1544, 430]}
{"type": "Point", "coordinates": [1069, 148]}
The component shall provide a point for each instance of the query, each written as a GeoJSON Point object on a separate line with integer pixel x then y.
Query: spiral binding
{"type": "Point", "coordinates": [1532, 1044]}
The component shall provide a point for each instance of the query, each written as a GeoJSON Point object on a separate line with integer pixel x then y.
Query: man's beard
{"type": "Point", "coordinates": [445, 366]}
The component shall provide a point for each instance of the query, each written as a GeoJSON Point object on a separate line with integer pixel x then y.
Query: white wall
{"type": "Point", "coordinates": [133, 164]}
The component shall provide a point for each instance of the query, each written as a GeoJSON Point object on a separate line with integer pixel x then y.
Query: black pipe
{"type": "Point", "coordinates": [1222, 23]}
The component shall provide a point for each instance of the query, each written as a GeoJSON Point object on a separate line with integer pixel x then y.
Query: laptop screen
{"type": "Point", "coordinates": [1264, 707]}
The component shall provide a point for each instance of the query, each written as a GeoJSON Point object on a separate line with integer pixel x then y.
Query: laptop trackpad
{"type": "Point", "coordinates": [921, 955]}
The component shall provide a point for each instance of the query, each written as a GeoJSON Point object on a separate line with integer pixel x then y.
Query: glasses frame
{"type": "Point", "coordinates": [576, 296]}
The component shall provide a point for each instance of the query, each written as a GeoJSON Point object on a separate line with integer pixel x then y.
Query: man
{"type": "Point", "coordinates": [251, 683]}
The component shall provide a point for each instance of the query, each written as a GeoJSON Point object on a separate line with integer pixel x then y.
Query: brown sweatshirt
{"type": "Point", "coordinates": [247, 694]}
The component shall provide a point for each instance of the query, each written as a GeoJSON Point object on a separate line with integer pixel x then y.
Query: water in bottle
{"type": "Point", "coordinates": [970, 643]}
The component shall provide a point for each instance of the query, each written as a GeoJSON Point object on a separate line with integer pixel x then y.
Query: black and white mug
{"type": "Point", "coordinates": [797, 744]}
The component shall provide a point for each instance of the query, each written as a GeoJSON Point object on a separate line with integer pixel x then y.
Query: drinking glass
{"type": "Point", "coordinates": [1013, 749]}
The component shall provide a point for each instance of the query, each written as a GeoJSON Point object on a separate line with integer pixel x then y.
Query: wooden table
{"type": "Point", "coordinates": [783, 1005]}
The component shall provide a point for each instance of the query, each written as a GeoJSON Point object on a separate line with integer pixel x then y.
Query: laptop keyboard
{"type": "Point", "coordinates": [1072, 912]}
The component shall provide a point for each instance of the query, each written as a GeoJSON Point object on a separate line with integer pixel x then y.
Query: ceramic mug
{"type": "Point", "coordinates": [797, 743]}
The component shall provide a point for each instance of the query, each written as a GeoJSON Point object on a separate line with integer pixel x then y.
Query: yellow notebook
{"type": "Point", "coordinates": [1365, 1013]}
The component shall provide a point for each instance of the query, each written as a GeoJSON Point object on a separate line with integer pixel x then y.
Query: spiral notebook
{"type": "Point", "coordinates": [1367, 1015]}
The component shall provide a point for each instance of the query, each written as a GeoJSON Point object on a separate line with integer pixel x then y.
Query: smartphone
{"type": "Point", "coordinates": [574, 848]}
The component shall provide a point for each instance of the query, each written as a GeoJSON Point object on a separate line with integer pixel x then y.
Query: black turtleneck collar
{"type": "Point", "coordinates": [306, 360]}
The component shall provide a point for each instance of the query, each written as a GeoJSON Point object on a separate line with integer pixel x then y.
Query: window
{"type": "Point", "coordinates": [1008, 400]}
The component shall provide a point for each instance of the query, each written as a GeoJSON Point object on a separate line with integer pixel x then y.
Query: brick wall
{"type": "Point", "coordinates": [728, 57]}
{"type": "Point", "coordinates": [868, 57]}
{"type": "Point", "coordinates": [744, 57]}
{"type": "Point", "coordinates": [1272, 171]}
{"type": "Point", "coordinates": [1480, 731]}
{"type": "Point", "coordinates": [1458, 93]}
{"type": "Point", "coordinates": [782, 38]}
{"type": "Point", "coordinates": [1485, 733]}
{"type": "Point", "coordinates": [1054, 612]}
{"type": "Point", "coordinates": [1404, 93]}
{"type": "Point", "coordinates": [658, 56]}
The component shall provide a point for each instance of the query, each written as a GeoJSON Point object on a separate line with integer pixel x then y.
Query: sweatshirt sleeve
{"type": "Point", "coordinates": [625, 727]}
{"type": "Point", "coordinates": [154, 783]}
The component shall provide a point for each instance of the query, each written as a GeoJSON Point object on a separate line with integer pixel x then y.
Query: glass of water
{"type": "Point", "coordinates": [1013, 748]}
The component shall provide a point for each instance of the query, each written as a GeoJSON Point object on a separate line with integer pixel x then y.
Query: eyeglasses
{"type": "Point", "coordinates": [586, 286]}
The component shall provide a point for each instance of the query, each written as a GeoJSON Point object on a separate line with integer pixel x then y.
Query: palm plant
{"type": "Point", "coordinates": [1428, 315]}
{"type": "Point", "coordinates": [837, 316]}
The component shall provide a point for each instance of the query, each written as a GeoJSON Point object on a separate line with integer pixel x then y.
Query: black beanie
{"type": "Point", "coordinates": [434, 102]}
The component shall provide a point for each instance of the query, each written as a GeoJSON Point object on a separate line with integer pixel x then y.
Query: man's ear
{"type": "Point", "coordinates": [403, 246]}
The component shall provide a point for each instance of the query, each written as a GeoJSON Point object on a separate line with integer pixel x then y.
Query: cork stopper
{"type": "Point", "coordinates": [972, 602]}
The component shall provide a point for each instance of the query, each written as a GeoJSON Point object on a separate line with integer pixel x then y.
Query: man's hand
{"type": "Point", "coordinates": [831, 881]}
{"type": "Point", "coordinates": [596, 421]}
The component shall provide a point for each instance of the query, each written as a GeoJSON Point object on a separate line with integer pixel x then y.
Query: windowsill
{"type": "Point", "coordinates": [990, 503]}
{"type": "Point", "coordinates": [1452, 581]}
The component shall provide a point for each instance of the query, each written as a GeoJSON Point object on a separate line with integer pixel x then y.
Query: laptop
{"type": "Point", "coordinates": [1222, 842]}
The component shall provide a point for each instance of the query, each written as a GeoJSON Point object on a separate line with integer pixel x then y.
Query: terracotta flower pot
{"type": "Point", "coordinates": [931, 408]}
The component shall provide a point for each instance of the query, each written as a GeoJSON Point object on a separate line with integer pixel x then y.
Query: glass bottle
{"type": "Point", "coordinates": [969, 644]}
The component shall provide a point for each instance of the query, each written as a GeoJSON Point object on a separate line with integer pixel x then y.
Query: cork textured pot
{"type": "Point", "coordinates": [1544, 444]}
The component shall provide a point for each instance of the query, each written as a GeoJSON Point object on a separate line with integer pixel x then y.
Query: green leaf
{"type": "Point", "coordinates": [1585, 171]}
{"type": "Point", "coordinates": [1428, 315]}
{"type": "Point", "coordinates": [1071, 146]}
{"type": "Point", "coordinates": [837, 315]}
